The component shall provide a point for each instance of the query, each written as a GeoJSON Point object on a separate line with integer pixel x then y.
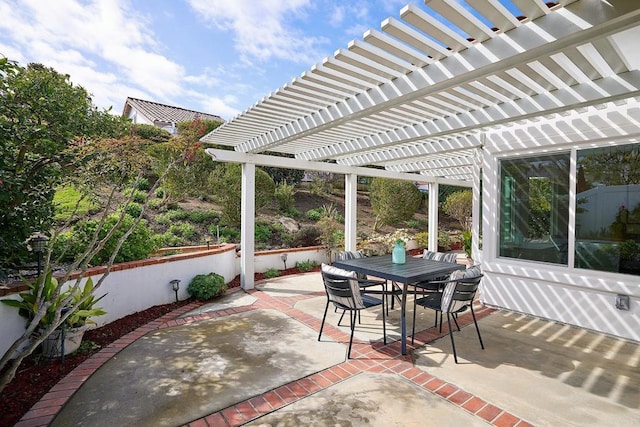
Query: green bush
{"type": "Point", "coordinates": [200, 217]}
{"type": "Point", "coordinates": [305, 266]}
{"type": "Point", "coordinates": [227, 234]}
{"type": "Point", "coordinates": [394, 200]}
{"type": "Point", "coordinates": [271, 273]}
{"type": "Point", "coordinates": [206, 286]}
{"type": "Point", "coordinates": [143, 184]}
{"type": "Point", "coordinates": [422, 239]}
{"type": "Point", "coordinates": [154, 204]}
{"type": "Point", "coordinates": [183, 229]}
{"type": "Point", "coordinates": [459, 205]}
{"type": "Point", "coordinates": [172, 216]}
{"type": "Point", "coordinates": [284, 195]}
{"type": "Point", "coordinates": [134, 209]}
{"type": "Point", "coordinates": [137, 246]}
{"type": "Point", "coordinates": [314, 214]}
{"type": "Point", "coordinates": [226, 184]}
{"type": "Point", "coordinates": [160, 192]}
{"type": "Point", "coordinates": [324, 211]}
{"type": "Point", "coordinates": [262, 233]}
{"type": "Point", "coordinates": [292, 213]}
{"type": "Point", "coordinates": [320, 187]}
{"type": "Point", "coordinates": [171, 240]}
{"type": "Point", "coordinates": [138, 196]}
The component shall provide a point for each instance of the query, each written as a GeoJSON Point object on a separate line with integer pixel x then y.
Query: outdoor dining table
{"type": "Point", "coordinates": [412, 271]}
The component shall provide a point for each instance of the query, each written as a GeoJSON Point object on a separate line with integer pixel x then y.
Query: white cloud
{"type": "Point", "coordinates": [105, 46]}
{"type": "Point", "coordinates": [261, 30]}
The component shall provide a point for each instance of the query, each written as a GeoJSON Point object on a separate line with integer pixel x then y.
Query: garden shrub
{"type": "Point", "coordinates": [154, 204]}
{"type": "Point", "coordinates": [314, 214]}
{"type": "Point", "coordinates": [305, 266]}
{"type": "Point", "coordinates": [172, 216]}
{"type": "Point", "coordinates": [227, 234]}
{"type": "Point", "coordinates": [137, 246]}
{"type": "Point", "coordinates": [459, 205]}
{"type": "Point", "coordinates": [206, 286]}
{"type": "Point", "coordinates": [183, 229]}
{"type": "Point", "coordinates": [271, 273]}
{"type": "Point", "coordinates": [284, 195]}
{"type": "Point", "coordinates": [227, 185]}
{"type": "Point", "coordinates": [394, 200]}
{"type": "Point", "coordinates": [143, 184]}
{"type": "Point", "coordinates": [171, 240]}
{"type": "Point", "coordinates": [138, 196]}
{"type": "Point", "coordinates": [134, 209]}
{"type": "Point", "coordinates": [200, 217]}
{"type": "Point", "coordinates": [160, 192]}
{"type": "Point", "coordinates": [262, 233]}
{"type": "Point", "coordinates": [422, 239]}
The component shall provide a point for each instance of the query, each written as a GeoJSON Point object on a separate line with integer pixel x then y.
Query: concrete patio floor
{"type": "Point", "coordinates": [255, 359]}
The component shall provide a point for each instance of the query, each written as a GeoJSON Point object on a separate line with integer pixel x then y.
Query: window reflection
{"type": "Point", "coordinates": [608, 209]}
{"type": "Point", "coordinates": [534, 208]}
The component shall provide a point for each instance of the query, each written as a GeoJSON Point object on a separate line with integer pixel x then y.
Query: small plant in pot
{"type": "Point", "coordinates": [81, 305]}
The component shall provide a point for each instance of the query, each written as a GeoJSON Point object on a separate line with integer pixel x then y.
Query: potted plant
{"type": "Point", "coordinates": [81, 306]}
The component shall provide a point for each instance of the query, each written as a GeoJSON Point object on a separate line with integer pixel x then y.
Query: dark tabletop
{"type": "Point", "coordinates": [414, 270]}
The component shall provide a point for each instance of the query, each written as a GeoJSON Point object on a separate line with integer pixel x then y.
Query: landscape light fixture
{"type": "Point", "coordinates": [38, 242]}
{"type": "Point", "coordinates": [175, 285]}
{"type": "Point", "coordinates": [283, 257]}
{"type": "Point", "coordinates": [208, 238]}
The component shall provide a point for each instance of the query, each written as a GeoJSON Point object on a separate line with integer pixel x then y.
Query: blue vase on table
{"type": "Point", "coordinates": [398, 255]}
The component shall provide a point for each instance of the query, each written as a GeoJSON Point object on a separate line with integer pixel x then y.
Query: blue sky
{"type": "Point", "coordinates": [215, 56]}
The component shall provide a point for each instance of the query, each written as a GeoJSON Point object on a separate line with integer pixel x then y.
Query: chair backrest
{"type": "Point", "coordinates": [459, 294]}
{"type": "Point", "coordinates": [342, 288]}
{"type": "Point", "coordinates": [440, 256]}
{"type": "Point", "coordinates": [347, 255]}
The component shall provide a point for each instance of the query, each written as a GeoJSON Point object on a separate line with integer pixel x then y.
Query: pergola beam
{"type": "Point", "coordinates": [288, 163]}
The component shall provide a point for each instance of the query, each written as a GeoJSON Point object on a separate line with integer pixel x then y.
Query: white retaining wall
{"type": "Point", "coordinates": [134, 289]}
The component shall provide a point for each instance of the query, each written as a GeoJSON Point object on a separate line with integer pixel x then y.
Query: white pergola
{"type": "Point", "coordinates": [444, 90]}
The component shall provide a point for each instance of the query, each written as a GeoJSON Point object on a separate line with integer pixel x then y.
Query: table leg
{"type": "Point", "coordinates": [403, 319]}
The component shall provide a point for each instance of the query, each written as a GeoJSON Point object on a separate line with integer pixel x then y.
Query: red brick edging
{"type": "Point", "coordinates": [376, 358]}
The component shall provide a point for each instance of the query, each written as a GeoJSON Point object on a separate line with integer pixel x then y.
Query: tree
{"type": "Point", "coordinates": [107, 165]}
{"type": "Point", "coordinates": [150, 132]}
{"type": "Point", "coordinates": [393, 200]}
{"type": "Point", "coordinates": [459, 205]}
{"type": "Point", "coordinates": [226, 183]}
{"type": "Point", "coordinates": [51, 134]}
{"type": "Point", "coordinates": [191, 178]}
{"type": "Point", "coordinates": [280, 175]}
{"type": "Point", "coordinates": [41, 114]}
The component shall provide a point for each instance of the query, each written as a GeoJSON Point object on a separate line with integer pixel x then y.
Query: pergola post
{"type": "Point", "coordinates": [350, 211]}
{"type": "Point", "coordinates": [476, 207]}
{"type": "Point", "coordinates": [248, 216]}
{"type": "Point", "coordinates": [433, 216]}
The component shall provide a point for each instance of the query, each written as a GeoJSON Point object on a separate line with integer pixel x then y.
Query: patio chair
{"type": "Point", "coordinates": [433, 286]}
{"type": "Point", "coordinates": [364, 282]}
{"type": "Point", "coordinates": [457, 295]}
{"type": "Point", "coordinates": [341, 287]}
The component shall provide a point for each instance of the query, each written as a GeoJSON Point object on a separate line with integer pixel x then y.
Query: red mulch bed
{"type": "Point", "coordinates": [37, 375]}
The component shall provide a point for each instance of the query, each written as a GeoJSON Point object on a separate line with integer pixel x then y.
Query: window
{"type": "Point", "coordinates": [534, 208]}
{"type": "Point", "coordinates": [608, 209]}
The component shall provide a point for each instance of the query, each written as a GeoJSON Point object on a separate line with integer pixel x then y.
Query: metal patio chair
{"type": "Point", "coordinates": [341, 287]}
{"type": "Point", "coordinates": [457, 296]}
